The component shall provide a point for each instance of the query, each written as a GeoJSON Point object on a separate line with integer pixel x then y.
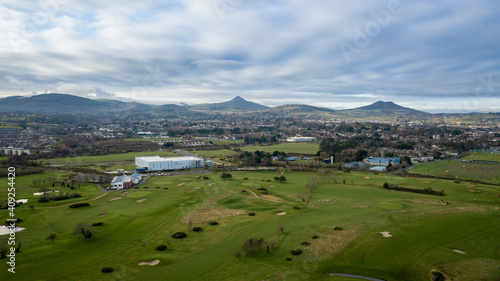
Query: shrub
{"type": "Point", "coordinates": [338, 228]}
{"type": "Point", "coordinates": [107, 270]}
{"type": "Point", "coordinates": [305, 243]}
{"type": "Point", "coordinates": [75, 195]}
{"type": "Point", "coordinates": [264, 192]}
{"type": "Point", "coordinates": [251, 214]}
{"type": "Point", "coordinates": [243, 190]}
{"type": "Point", "coordinates": [179, 235]}
{"type": "Point", "coordinates": [137, 187]}
{"type": "Point", "coordinates": [197, 229]}
{"type": "Point", "coordinates": [226, 175]}
{"type": "Point", "coordinates": [97, 223]}
{"type": "Point", "coordinates": [246, 179]}
{"type": "Point", "coordinates": [205, 177]}
{"type": "Point", "coordinates": [145, 187]}
{"type": "Point", "coordinates": [165, 188]}
{"type": "Point", "coordinates": [157, 187]}
{"type": "Point", "coordinates": [268, 180]}
{"type": "Point", "coordinates": [43, 200]}
{"type": "Point", "coordinates": [262, 188]}
{"type": "Point", "coordinates": [296, 252]}
{"type": "Point", "coordinates": [288, 259]}
{"type": "Point", "coordinates": [315, 237]}
{"type": "Point", "coordinates": [78, 205]}
{"type": "Point", "coordinates": [161, 248]}
{"type": "Point", "coordinates": [213, 223]}
{"type": "Point", "coordinates": [296, 208]}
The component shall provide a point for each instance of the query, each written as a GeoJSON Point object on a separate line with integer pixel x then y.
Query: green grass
{"type": "Point", "coordinates": [424, 235]}
{"type": "Point", "coordinates": [461, 170]}
{"type": "Point", "coordinates": [298, 148]}
{"type": "Point", "coordinates": [215, 153]}
{"type": "Point", "coordinates": [124, 157]}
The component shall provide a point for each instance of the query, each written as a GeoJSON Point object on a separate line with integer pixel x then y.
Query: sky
{"type": "Point", "coordinates": [437, 56]}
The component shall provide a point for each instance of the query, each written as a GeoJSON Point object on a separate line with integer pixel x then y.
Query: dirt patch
{"type": "Point", "coordinates": [210, 212]}
{"type": "Point", "coordinates": [209, 184]}
{"type": "Point", "coordinates": [141, 200]}
{"type": "Point", "coordinates": [385, 234]}
{"type": "Point", "coordinates": [367, 177]}
{"type": "Point", "coordinates": [377, 214]}
{"type": "Point", "coordinates": [181, 184]}
{"type": "Point", "coordinates": [153, 262]}
{"type": "Point", "coordinates": [474, 190]}
{"type": "Point", "coordinates": [426, 182]}
{"type": "Point", "coordinates": [116, 198]}
{"type": "Point", "coordinates": [469, 186]}
{"type": "Point", "coordinates": [460, 252]}
{"type": "Point", "coordinates": [196, 187]}
{"type": "Point", "coordinates": [359, 206]}
{"type": "Point", "coordinates": [271, 186]}
{"type": "Point", "coordinates": [123, 193]}
{"type": "Point", "coordinates": [102, 215]}
{"type": "Point", "coordinates": [271, 198]}
{"type": "Point", "coordinates": [281, 213]}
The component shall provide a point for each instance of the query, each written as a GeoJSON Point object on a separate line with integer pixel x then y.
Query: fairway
{"type": "Point", "coordinates": [337, 228]}
{"type": "Point", "coordinates": [298, 148]}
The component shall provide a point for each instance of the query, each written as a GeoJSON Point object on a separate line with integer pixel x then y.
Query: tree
{"type": "Point", "coordinates": [52, 237]}
{"type": "Point", "coordinates": [226, 175]}
{"type": "Point", "coordinates": [84, 229]}
{"type": "Point", "coordinates": [282, 179]}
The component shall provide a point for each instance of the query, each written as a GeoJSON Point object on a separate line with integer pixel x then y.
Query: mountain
{"type": "Point", "coordinates": [298, 109]}
{"type": "Point", "coordinates": [67, 104]}
{"type": "Point", "coordinates": [238, 103]}
{"type": "Point", "coordinates": [380, 108]}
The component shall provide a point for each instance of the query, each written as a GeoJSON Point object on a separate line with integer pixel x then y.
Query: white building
{"type": "Point", "coordinates": [125, 181]}
{"type": "Point", "coordinates": [157, 163]}
{"type": "Point", "coordinates": [301, 139]}
{"type": "Point", "coordinates": [13, 151]}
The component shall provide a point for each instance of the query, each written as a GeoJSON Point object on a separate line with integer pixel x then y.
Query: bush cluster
{"type": "Point", "coordinates": [251, 214]}
{"type": "Point", "coordinates": [296, 252]}
{"type": "Point", "coordinates": [161, 248]}
{"type": "Point", "coordinates": [305, 243]}
{"type": "Point", "coordinates": [338, 228]}
{"type": "Point", "coordinates": [197, 229]}
{"type": "Point", "coordinates": [179, 235]}
{"type": "Point", "coordinates": [213, 223]}
{"type": "Point", "coordinates": [107, 270]}
{"type": "Point", "coordinates": [97, 223]}
{"type": "Point", "coordinates": [78, 205]}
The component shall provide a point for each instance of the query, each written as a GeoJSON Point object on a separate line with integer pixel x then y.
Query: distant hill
{"type": "Point", "coordinates": [380, 108]}
{"type": "Point", "coordinates": [238, 103]}
{"type": "Point", "coordinates": [66, 104]}
{"type": "Point", "coordinates": [298, 109]}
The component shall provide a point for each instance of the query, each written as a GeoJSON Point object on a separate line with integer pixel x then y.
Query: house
{"type": "Point", "coordinates": [124, 181]}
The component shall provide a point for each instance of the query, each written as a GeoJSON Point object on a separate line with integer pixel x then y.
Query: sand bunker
{"type": "Point", "coordinates": [281, 213]}
{"type": "Point", "coordinates": [5, 230]}
{"type": "Point", "coordinates": [181, 184]}
{"type": "Point", "coordinates": [271, 186]}
{"type": "Point", "coordinates": [196, 187]}
{"type": "Point", "coordinates": [359, 206]}
{"type": "Point", "coordinates": [385, 234]}
{"type": "Point", "coordinates": [113, 199]}
{"type": "Point", "coordinates": [141, 200]}
{"type": "Point", "coordinates": [460, 252]}
{"type": "Point", "coordinates": [475, 190]}
{"type": "Point", "coordinates": [42, 193]}
{"type": "Point", "coordinates": [367, 178]}
{"type": "Point", "coordinates": [153, 262]}
{"type": "Point", "coordinates": [23, 201]}
{"type": "Point", "coordinates": [102, 215]}
{"type": "Point", "coordinates": [123, 193]}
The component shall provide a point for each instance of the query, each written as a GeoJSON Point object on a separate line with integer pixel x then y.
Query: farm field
{"type": "Point", "coordinates": [463, 170]}
{"type": "Point", "coordinates": [108, 158]}
{"type": "Point", "coordinates": [298, 148]}
{"type": "Point", "coordinates": [346, 220]}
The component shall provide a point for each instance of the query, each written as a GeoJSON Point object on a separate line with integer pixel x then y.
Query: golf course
{"type": "Point", "coordinates": [345, 223]}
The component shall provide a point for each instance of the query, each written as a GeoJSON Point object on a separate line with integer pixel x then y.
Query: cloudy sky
{"type": "Point", "coordinates": [439, 56]}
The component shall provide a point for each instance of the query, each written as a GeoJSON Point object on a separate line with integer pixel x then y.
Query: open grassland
{"type": "Point", "coordinates": [462, 170]}
{"type": "Point", "coordinates": [297, 148]}
{"type": "Point", "coordinates": [124, 157]}
{"type": "Point", "coordinates": [214, 153]}
{"type": "Point", "coordinates": [425, 230]}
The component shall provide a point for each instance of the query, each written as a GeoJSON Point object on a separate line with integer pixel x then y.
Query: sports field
{"type": "Point", "coordinates": [298, 148]}
{"type": "Point", "coordinates": [108, 158]}
{"type": "Point", "coordinates": [427, 231]}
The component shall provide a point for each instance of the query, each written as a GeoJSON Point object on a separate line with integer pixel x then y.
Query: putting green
{"type": "Point", "coordinates": [138, 194]}
{"type": "Point", "coordinates": [391, 205]}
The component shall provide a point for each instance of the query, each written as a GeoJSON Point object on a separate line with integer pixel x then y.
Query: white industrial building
{"type": "Point", "coordinates": [157, 163]}
{"type": "Point", "coordinates": [301, 139]}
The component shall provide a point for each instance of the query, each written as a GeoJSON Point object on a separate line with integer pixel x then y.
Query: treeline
{"type": "Point", "coordinates": [427, 190]}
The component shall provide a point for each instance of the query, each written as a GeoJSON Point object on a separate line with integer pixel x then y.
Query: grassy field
{"type": "Point", "coordinates": [297, 148]}
{"type": "Point", "coordinates": [108, 158]}
{"type": "Point", "coordinates": [425, 230]}
{"type": "Point", "coordinates": [215, 153]}
{"type": "Point", "coordinates": [462, 170]}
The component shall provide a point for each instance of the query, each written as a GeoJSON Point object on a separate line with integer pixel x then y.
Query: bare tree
{"type": "Point", "coordinates": [84, 229]}
{"type": "Point", "coordinates": [52, 237]}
